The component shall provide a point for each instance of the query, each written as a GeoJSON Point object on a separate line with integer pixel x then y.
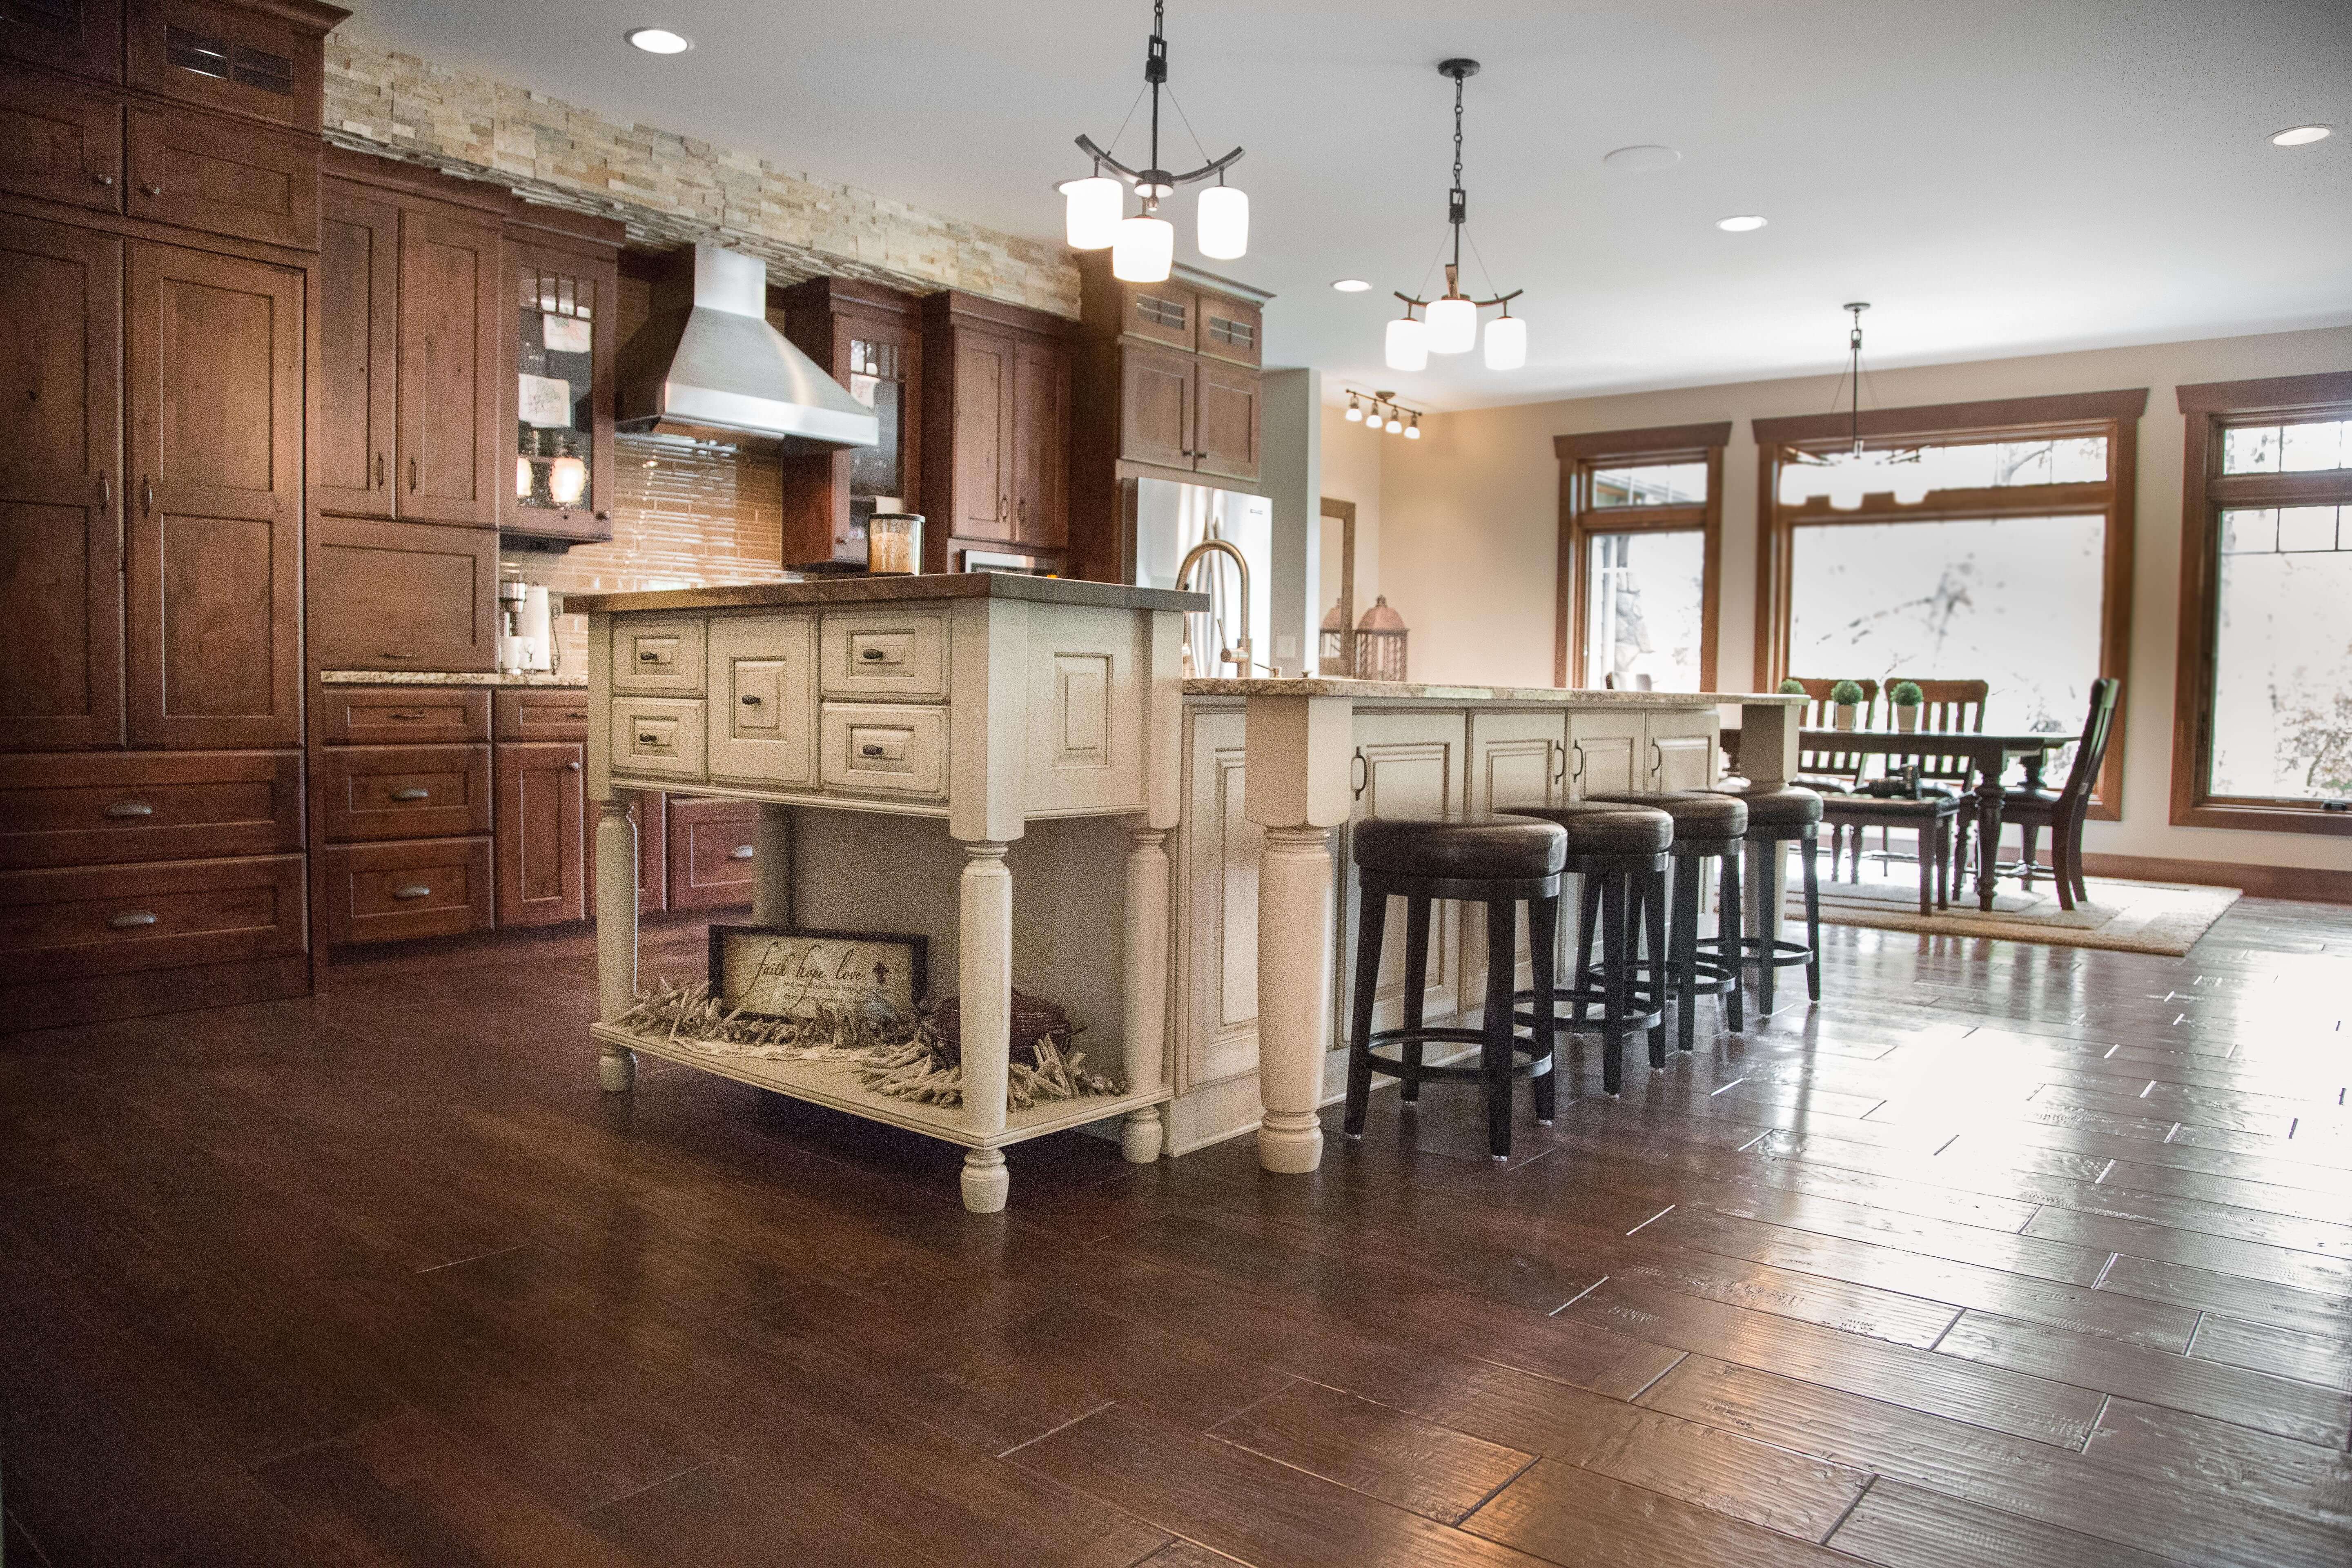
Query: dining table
{"type": "Point", "coordinates": [1987, 753]}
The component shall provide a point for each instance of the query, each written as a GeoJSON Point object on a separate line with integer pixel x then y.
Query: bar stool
{"type": "Point", "coordinates": [1619, 850]}
{"type": "Point", "coordinates": [1784, 815]}
{"type": "Point", "coordinates": [1496, 861]}
{"type": "Point", "coordinates": [1708, 825]}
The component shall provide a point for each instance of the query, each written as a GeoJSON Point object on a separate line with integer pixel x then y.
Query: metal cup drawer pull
{"type": "Point", "coordinates": [124, 809]}
{"type": "Point", "coordinates": [413, 792]}
{"type": "Point", "coordinates": [741, 852]}
{"type": "Point", "coordinates": [414, 890]}
{"type": "Point", "coordinates": [133, 921]}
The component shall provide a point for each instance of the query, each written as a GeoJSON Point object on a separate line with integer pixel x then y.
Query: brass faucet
{"type": "Point", "coordinates": [1239, 653]}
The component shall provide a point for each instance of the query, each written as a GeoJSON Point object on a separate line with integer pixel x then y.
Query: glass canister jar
{"type": "Point", "coordinates": [894, 545]}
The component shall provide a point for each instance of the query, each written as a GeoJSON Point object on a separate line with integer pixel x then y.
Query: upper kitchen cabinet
{"type": "Point", "coordinates": [563, 289]}
{"type": "Point", "coordinates": [83, 36]}
{"type": "Point", "coordinates": [263, 60]}
{"type": "Point", "coordinates": [59, 142]}
{"type": "Point", "coordinates": [869, 338]}
{"type": "Point", "coordinates": [446, 447]}
{"type": "Point", "coordinates": [996, 431]}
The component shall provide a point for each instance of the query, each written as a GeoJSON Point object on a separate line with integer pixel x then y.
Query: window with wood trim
{"type": "Point", "coordinates": [1983, 541]}
{"type": "Point", "coordinates": [2263, 715]}
{"type": "Point", "coordinates": [1640, 531]}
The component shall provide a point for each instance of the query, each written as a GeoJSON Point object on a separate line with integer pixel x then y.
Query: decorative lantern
{"type": "Point", "coordinates": [1332, 654]}
{"type": "Point", "coordinates": [1380, 643]}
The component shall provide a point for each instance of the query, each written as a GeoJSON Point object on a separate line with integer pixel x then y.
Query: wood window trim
{"type": "Point", "coordinates": [1344, 513]}
{"type": "Point", "coordinates": [2113, 414]}
{"type": "Point", "coordinates": [2205, 491]}
{"type": "Point", "coordinates": [1579, 455]}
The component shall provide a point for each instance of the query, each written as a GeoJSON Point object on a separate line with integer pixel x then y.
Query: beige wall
{"type": "Point", "coordinates": [1351, 472]}
{"type": "Point", "coordinates": [1469, 522]}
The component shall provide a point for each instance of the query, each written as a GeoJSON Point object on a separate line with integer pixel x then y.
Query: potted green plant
{"type": "Point", "coordinates": [1847, 696]}
{"type": "Point", "coordinates": [1792, 687]}
{"type": "Point", "coordinates": [1905, 698]}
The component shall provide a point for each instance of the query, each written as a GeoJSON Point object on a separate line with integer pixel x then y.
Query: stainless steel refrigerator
{"type": "Point", "coordinates": [1170, 518]}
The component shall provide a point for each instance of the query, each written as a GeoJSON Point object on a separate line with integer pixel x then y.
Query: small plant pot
{"type": "Point", "coordinates": [1907, 719]}
{"type": "Point", "coordinates": [1847, 714]}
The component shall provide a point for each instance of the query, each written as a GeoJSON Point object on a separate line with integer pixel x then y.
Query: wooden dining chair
{"type": "Point", "coordinates": [1948, 706]}
{"type": "Point", "coordinates": [1832, 770]}
{"type": "Point", "coordinates": [2062, 813]}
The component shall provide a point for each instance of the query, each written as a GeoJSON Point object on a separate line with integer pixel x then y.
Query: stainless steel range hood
{"type": "Point", "coordinates": [707, 364]}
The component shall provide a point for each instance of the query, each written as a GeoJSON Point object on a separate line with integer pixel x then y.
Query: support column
{"type": "Point", "coordinates": [771, 866]}
{"type": "Point", "coordinates": [1143, 1028]}
{"type": "Point", "coordinates": [617, 932]}
{"type": "Point", "coordinates": [1767, 759]}
{"type": "Point", "coordinates": [984, 1000]}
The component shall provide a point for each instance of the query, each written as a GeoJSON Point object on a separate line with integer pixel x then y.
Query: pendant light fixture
{"type": "Point", "coordinates": [1143, 247]}
{"type": "Point", "coordinates": [1449, 324]}
{"type": "Point", "coordinates": [1379, 411]}
{"type": "Point", "coordinates": [1845, 477]}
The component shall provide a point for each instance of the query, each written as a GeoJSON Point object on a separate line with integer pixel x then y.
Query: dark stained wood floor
{"type": "Point", "coordinates": [2004, 1255]}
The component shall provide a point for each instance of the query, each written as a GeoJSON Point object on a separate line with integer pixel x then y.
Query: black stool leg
{"type": "Point", "coordinates": [1588, 920]}
{"type": "Point", "coordinates": [1371, 915]}
{"type": "Point", "coordinates": [1615, 975]}
{"type": "Point", "coordinates": [1416, 986]}
{"type": "Point", "coordinates": [1686, 948]}
{"type": "Point", "coordinates": [1761, 870]}
{"type": "Point", "coordinates": [1812, 918]}
{"type": "Point", "coordinates": [1729, 916]}
{"type": "Point", "coordinates": [1543, 938]}
{"type": "Point", "coordinates": [1654, 909]}
{"type": "Point", "coordinates": [1502, 939]}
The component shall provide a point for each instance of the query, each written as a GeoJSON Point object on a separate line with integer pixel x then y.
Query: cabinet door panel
{"type": "Point", "coordinates": [227, 179]}
{"type": "Point", "coordinates": [401, 596]}
{"type": "Point", "coordinates": [1607, 750]}
{"type": "Point", "coordinates": [1682, 748]}
{"type": "Point", "coordinates": [356, 389]}
{"type": "Point", "coordinates": [1225, 424]}
{"type": "Point", "coordinates": [711, 846]}
{"type": "Point", "coordinates": [215, 361]}
{"type": "Point", "coordinates": [1230, 329]}
{"type": "Point", "coordinates": [449, 296]}
{"type": "Point", "coordinates": [83, 36]}
{"type": "Point", "coordinates": [60, 483]}
{"type": "Point", "coordinates": [1413, 766]}
{"type": "Point", "coordinates": [542, 871]}
{"type": "Point", "coordinates": [557, 290]}
{"type": "Point", "coordinates": [241, 58]}
{"type": "Point", "coordinates": [1220, 846]}
{"type": "Point", "coordinates": [764, 681]}
{"type": "Point", "coordinates": [1163, 312]}
{"type": "Point", "coordinates": [60, 142]}
{"type": "Point", "coordinates": [1515, 760]}
{"type": "Point", "coordinates": [984, 394]}
{"type": "Point", "coordinates": [1155, 406]}
{"type": "Point", "coordinates": [1041, 444]}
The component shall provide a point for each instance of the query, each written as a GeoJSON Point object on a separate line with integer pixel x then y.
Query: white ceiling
{"type": "Point", "coordinates": [1997, 177]}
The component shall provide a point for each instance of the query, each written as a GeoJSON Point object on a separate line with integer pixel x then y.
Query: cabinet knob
{"type": "Point", "coordinates": [412, 792]}
{"type": "Point", "coordinates": [573, 766]}
{"type": "Point", "coordinates": [871, 655]}
{"type": "Point", "coordinates": [869, 750]}
{"type": "Point", "coordinates": [152, 190]}
{"type": "Point", "coordinates": [128, 808]}
{"type": "Point", "coordinates": [414, 890]}
{"type": "Point", "coordinates": [131, 920]}
{"type": "Point", "coordinates": [106, 180]}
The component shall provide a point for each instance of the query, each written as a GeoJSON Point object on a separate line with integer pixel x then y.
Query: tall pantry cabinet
{"type": "Point", "coordinates": [158, 254]}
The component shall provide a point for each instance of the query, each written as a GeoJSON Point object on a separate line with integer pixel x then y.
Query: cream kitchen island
{"type": "Point", "coordinates": [1015, 769]}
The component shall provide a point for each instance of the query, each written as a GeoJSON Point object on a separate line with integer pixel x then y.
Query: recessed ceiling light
{"type": "Point", "coordinates": [659, 40]}
{"type": "Point", "coordinates": [2302, 135]}
{"type": "Point", "coordinates": [1350, 285]}
{"type": "Point", "coordinates": [1739, 224]}
{"type": "Point", "coordinates": [1641, 157]}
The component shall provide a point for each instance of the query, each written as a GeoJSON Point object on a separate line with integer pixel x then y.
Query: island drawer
{"type": "Point", "coordinates": [403, 792]}
{"type": "Point", "coordinates": [661, 736]}
{"type": "Point", "coordinates": [391, 892]}
{"type": "Point", "coordinates": [875, 748]}
{"type": "Point", "coordinates": [113, 920]}
{"type": "Point", "coordinates": [557, 714]}
{"type": "Point", "coordinates": [98, 807]}
{"type": "Point", "coordinates": [897, 655]}
{"type": "Point", "coordinates": [402, 715]}
{"type": "Point", "coordinates": [657, 656]}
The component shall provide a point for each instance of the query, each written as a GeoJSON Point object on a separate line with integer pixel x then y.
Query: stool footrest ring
{"type": "Point", "coordinates": [1525, 1062]}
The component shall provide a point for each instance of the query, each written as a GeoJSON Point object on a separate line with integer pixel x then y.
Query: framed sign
{"type": "Point", "coordinates": [774, 972]}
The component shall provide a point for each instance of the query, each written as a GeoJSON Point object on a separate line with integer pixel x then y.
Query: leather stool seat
{"type": "Point", "coordinates": [1786, 806]}
{"type": "Point", "coordinates": [1595, 828]}
{"type": "Point", "coordinates": [1697, 813]}
{"type": "Point", "coordinates": [1458, 848]}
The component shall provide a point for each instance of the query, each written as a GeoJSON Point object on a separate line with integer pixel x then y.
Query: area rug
{"type": "Point", "coordinates": [2131, 917]}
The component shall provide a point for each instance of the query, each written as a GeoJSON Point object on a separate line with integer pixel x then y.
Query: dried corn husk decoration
{"type": "Point", "coordinates": [919, 1059]}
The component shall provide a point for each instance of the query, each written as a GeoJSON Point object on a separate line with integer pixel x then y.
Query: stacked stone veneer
{"type": "Point", "coordinates": [671, 189]}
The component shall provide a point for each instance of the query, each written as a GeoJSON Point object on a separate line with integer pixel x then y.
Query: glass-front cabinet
{"type": "Point", "coordinates": [869, 338]}
{"type": "Point", "coordinates": [560, 408]}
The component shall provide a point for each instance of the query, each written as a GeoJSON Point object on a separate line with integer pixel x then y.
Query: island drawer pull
{"type": "Point", "coordinates": [648, 738]}
{"type": "Point", "coordinates": [414, 890]}
{"type": "Point", "coordinates": [413, 792]}
{"type": "Point", "coordinates": [129, 808]}
{"type": "Point", "coordinates": [871, 655]}
{"type": "Point", "coordinates": [133, 921]}
{"type": "Point", "coordinates": [750, 701]}
{"type": "Point", "coordinates": [648, 656]}
{"type": "Point", "coordinates": [741, 852]}
{"type": "Point", "coordinates": [869, 750]}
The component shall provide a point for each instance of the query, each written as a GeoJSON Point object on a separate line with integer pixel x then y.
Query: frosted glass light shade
{"type": "Point", "coordinates": [522, 478]}
{"type": "Point", "coordinates": [1143, 251]}
{"type": "Point", "coordinates": [1506, 342]}
{"type": "Point", "coordinates": [1355, 415]}
{"type": "Point", "coordinates": [1412, 431]}
{"type": "Point", "coordinates": [567, 481]}
{"type": "Point", "coordinates": [1090, 210]}
{"type": "Point", "coordinates": [1224, 223]}
{"type": "Point", "coordinates": [1394, 425]}
{"type": "Point", "coordinates": [1407, 344]}
{"type": "Point", "coordinates": [1453, 326]}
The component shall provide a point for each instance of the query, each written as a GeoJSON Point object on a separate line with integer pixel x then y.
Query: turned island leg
{"type": "Point", "coordinates": [984, 999]}
{"type": "Point", "coordinates": [1293, 992]}
{"type": "Point", "coordinates": [1144, 1026]}
{"type": "Point", "coordinates": [617, 933]}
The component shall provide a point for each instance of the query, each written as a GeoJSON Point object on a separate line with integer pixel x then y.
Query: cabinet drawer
{"type": "Point", "coordinates": [545, 715]}
{"type": "Point", "coordinates": [96, 809]}
{"type": "Point", "coordinates": [401, 596]}
{"type": "Point", "coordinates": [763, 697]}
{"type": "Point", "coordinates": [389, 715]}
{"type": "Point", "coordinates": [236, 180]}
{"type": "Point", "coordinates": [873, 747]}
{"type": "Point", "coordinates": [711, 852]}
{"type": "Point", "coordinates": [61, 141]}
{"type": "Point", "coordinates": [657, 735]}
{"type": "Point", "coordinates": [389, 892]}
{"type": "Point", "coordinates": [895, 656]}
{"type": "Point", "coordinates": [403, 792]}
{"type": "Point", "coordinates": [113, 920]}
{"type": "Point", "coordinates": [657, 656]}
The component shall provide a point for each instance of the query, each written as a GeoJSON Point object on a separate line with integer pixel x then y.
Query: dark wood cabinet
{"type": "Point", "coordinates": [446, 447]}
{"type": "Point", "coordinates": [60, 487]}
{"type": "Point", "coordinates": [104, 808]}
{"type": "Point", "coordinates": [559, 325]}
{"type": "Point", "coordinates": [546, 714]}
{"type": "Point", "coordinates": [541, 865]}
{"type": "Point", "coordinates": [1156, 389]}
{"type": "Point", "coordinates": [354, 402]}
{"type": "Point", "coordinates": [869, 338]}
{"type": "Point", "coordinates": [996, 416]}
{"type": "Point", "coordinates": [1041, 444]}
{"type": "Point", "coordinates": [199, 172]}
{"type": "Point", "coordinates": [980, 429]}
{"type": "Point", "coordinates": [83, 36]}
{"type": "Point", "coordinates": [390, 892]}
{"type": "Point", "coordinates": [1226, 420]}
{"type": "Point", "coordinates": [400, 715]}
{"type": "Point", "coordinates": [262, 61]}
{"type": "Point", "coordinates": [711, 851]}
{"type": "Point", "coordinates": [401, 596]}
{"type": "Point", "coordinates": [213, 365]}
{"type": "Point", "coordinates": [59, 142]}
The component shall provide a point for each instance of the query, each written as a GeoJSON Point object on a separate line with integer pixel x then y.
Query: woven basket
{"type": "Point", "coordinates": [1033, 1019]}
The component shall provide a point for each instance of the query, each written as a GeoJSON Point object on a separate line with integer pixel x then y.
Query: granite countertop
{"type": "Point", "coordinates": [1423, 691]}
{"type": "Point", "coordinates": [559, 680]}
{"type": "Point", "coordinates": [891, 589]}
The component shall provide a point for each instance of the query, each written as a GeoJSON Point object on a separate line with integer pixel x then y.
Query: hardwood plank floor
{"type": "Point", "coordinates": [2002, 1255]}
